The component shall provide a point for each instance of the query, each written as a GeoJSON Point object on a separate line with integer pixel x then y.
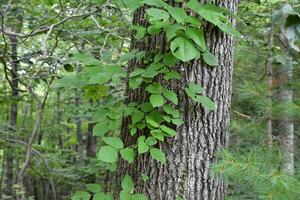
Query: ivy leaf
{"type": "Point", "coordinates": [171, 96]}
{"type": "Point", "coordinates": [152, 122]}
{"type": "Point", "coordinates": [127, 154]}
{"type": "Point", "coordinates": [183, 49]}
{"type": "Point", "coordinates": [142, 146]}
{"type": "Point", "coordinates": [95, 188]}
{"type": "Point", "coordinates": [137, 116]}
{"type": "Point", "coordinates": [158, 155]}
{"type": "Point", "coordinates": [172, 75]}
{"type": "Point", "coordinates": [172, 29]}
{"type": "Point", "coordinates": [195, 88]}
{"type": "Point", "coordinates": [100, 129]}
{"type": "Point", "coordinates": [197, 36]}
{"type": "Point", "coordinates": [81, 195]}
{"type": "Point", "coordinates": [158, 134]}
{"type": "Point", "coordinates": [134, 83]}
{"type": "Point", "coordinates": [127, 183]}
{"type": "Point", "coordinates": [108, 154]}
{"type": "Point", "coordinates": [102, 196]}
{"type": "Point", "coordinates": [210, 59]}
{"type": "Point", "coordinates": [206, 102]}
{"type": "Point", "coordinates": [154, 88]}
{"type": "Point", "coordinates": [177, 13]}
{"type": "Point", "coordinates": [168, 130]}
{"type": "Point", "coordinates": [115, 142]}
{"type": "Point", "coordinates": [132, 4]}
{"type": "Point", "coordinates": [125, 195]}
{"type": "Point", "coordinates": [156, 100]}
{"type": "Point", "coordinates": [157, 14]}
{"type": "Point", "coordinates": [151, 141]}
{"type": "Point", "coordinates": [140, 32]}
{"type": "Point", "coordinates": [136, 72]}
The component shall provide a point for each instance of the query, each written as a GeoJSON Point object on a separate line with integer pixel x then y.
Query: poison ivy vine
{"type": "Point", "coordinates": [161, 113]}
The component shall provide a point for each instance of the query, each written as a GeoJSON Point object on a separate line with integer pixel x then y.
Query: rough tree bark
{"type": "Point", "coordinates": [190, 155]}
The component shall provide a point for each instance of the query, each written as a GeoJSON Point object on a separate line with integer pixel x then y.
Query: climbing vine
{"type": "Point", "coordinates": [183, 27]}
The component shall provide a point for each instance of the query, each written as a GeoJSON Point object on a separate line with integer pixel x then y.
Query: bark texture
{"type": "Point", "coordinates": [190, 155]}
{"type": "Point", "coordinates": [286, 123]}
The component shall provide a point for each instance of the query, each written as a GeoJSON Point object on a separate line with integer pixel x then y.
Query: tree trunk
{"type": "Point", "coordinates": [270, 86]}
{"type": "Point", "coordinates": [13, 117]}
{"type": "Point", "coordinates": [286, 124]}
{"type": "Point", "coordinates": [91, 144]}
{"type": "Point", "coordinates": [193, 151]}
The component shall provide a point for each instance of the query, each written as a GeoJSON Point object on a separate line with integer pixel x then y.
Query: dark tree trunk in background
{"type": "Point", "coordinates": [193, 151]}
{"type": "Point", "coordinates": [13, 117]}
{"type": "Point", "coordinates": [91, 144]}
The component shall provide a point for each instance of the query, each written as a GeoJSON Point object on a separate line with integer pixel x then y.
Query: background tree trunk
{"type": "Point", "coordinates": [190, 155]}
{"type": "Point", "coordinates": [13, 116]}
{"type": "Point", "coordinates": [286, 124]}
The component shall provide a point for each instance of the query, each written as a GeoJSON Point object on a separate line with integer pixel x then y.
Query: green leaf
{"type": "Point", "coordinates": [140, 32]}
{"type": "Point", "coordinates": [210, 59]}
{"type": "Point", "coordinates": [151, 141]}
{"type": "Point", "coordinates": [158, 134]}
{"type": "Point", "coordinates": [171, 30]}
{"type": "Point", "coordinates": [154, 88]}
{"type": "Point", "coordinates": [115, 142]}
{"type": "Point", "coordinates": [127, 154]}
{"type": "Point", "coordinates": [136, 72]}
{"type": "Point", "coordinates": [177, 13]}
{"type": "Point", "coordinates": [183, 49]}
{"type": "Point", "coordinates": [137, 116]}
{"type": "Point", "coordinates": [81, 195]}
{"type": "Point", "coordinates": [156, 100]}
{"type": "Point", "coordinates": [132, 4]}
{"type": "Point", "coordinates": [142, 146]}
{"type": "Point", "coordinates": [168, 130]}
{"type": "Point", "coordinates": [102, 196]}
{"type": "Point", "coordinates": [100, 129]}
{"type": "Point", "coordinates": [152, 122]}
{"type": "Point", "coordinates": [206, 102]}
{"type": "Point", "coordinates": [108, 154]}
{"type": "Point", "coordinates": [134, 83]}
{"type": "Point", "coordinates": [125, 195]}
{"type": "Point", "coordinates": [171, 96]}
{"type": "Point", "coordinates": [158, 155]}
{"type": "Point", "coordinates": [99, 78]}
{"type": "Point", "coordinates": [127, 183]}
{"type": "Point", "coordinates": [172, 75]}
{"type": "Point", "coordinates": [95, 188]}
{"type": "Point", "coordinates": [157, 14]}
{"type": "Point", "coordinates": [127, 56]}
{"type": "Point", "coordinates": [197, 36]}
{"type": "Point", "coordinates": [195, 88]}
{"type": "Point", "coordinates": [133, 131]}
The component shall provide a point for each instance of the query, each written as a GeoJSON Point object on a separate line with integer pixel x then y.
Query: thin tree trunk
{"type": "Point", "coordinates": [285, 97]}
{"type": "Point", "coordinates": [270, 86]}
{"type": "Point", "coordinates": [80, 147]}
{"type": "Point", "coordinates": [91, 144]}
{"type": "Point", "coordinates": [13, 117]}
{"type": "Point", "coordinates": [193, 151]}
